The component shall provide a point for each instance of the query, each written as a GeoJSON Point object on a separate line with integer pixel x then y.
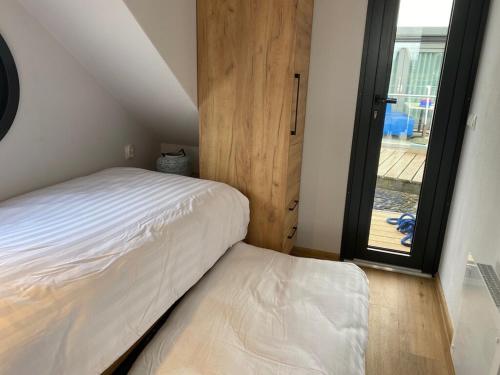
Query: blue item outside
{"type": "Point", "coordinates": [424, 103]}
{"type": "Point", "coordinates": [398, 123]}
{"type": "Point", "coordinates": [406, 225]}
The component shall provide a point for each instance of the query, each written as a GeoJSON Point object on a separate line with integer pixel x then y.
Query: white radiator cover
{"type": "Point", "coordinates": [476, 343]}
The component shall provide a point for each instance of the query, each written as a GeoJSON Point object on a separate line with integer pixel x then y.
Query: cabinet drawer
{"type": "Point", "coordinates": [289, 240]}
{"type": "Point", "coordinates": [293, 173]}
{"type": "Point", "coordinates": [291, 214]}
{"type": "Point", "coordinates": [291, 222]}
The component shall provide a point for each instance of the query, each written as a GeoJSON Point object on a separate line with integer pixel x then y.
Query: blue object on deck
{"type": "Point", "coordinates": [406, 225]}
{"type": "Point", "coordinates": [398, 123]}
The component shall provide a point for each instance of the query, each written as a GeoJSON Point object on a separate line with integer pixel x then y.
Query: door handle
{"type": "Point", "coordinates": [379, 99]}
{"type": "Point", "coordinates": [297, 79]}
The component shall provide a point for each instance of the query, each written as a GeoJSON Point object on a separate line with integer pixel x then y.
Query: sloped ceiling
{"type": "Point", "coordinates": [106, 38]}
{"type": "Point", "coordinates": [171, 26]}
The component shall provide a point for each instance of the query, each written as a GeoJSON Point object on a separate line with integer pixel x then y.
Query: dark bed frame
{"type": "Point", "coordinates": [123, 364]}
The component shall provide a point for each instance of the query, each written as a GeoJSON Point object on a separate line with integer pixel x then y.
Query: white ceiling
{"type": "Point", "coordinates": [105, 37]}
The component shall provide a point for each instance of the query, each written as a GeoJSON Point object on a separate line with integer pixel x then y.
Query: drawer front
{"type": "Point", "coordinates": [293, 173]}
{"type": "Point", "coordinates": [291, 225]}
{"type": "Point", "coordinates": [292, 214]}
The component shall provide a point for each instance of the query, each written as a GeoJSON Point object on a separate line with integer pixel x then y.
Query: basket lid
{"type": "Point", "coordinates": [180, 153]}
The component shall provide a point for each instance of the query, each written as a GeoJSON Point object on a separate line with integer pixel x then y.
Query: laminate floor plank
{"type": "Point", "coordinates": [406, 333]}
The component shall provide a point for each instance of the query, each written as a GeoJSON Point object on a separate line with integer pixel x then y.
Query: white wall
{"type": "Point", "coordinates": [106, 38]}
{"type": "Point", "coordinates": [67, 125]}
{"type": "Point", "coordinates": [171, 26]}
{"type": "Point", "coordinates": [337, 43]}
{"type": "Point", "coordinates": [474, 222]}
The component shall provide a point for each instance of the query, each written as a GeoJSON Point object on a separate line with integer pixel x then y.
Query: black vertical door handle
{"type": "Point", "coordinates": [294, 130]}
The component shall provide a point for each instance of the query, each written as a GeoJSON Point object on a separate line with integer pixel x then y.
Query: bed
{"type": "Point", "coordinates": [262, 312]}
{"type": "Point", "coordinates": [87, 266]}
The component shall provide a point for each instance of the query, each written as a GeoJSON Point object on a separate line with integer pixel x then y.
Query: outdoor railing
{"type": "Point", "coordinates": [412, 107]}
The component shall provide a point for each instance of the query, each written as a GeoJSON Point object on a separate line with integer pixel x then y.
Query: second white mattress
{"type": "Point", "coordinates": [262, 312]}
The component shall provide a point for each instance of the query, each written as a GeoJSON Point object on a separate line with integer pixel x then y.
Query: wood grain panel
{"type": "Point", "coordinates": [389, 162]}
{"type": "Point", "coordinates": [406, 334]}
{"type": "Point", "coordinates": [293, 172]}
{"type": "Point", "coordinates": [384, 154]}
{"type": "Point", "coordinates": [289, 241]}
{"type": "Point", "coordinates": [409, 173]}
{"type": "Point", "coordinates": [383, 234]}
{"type": "Point", "coordinates": [305, 252]}
{"type": "Point", "coordinates": [302, 51]}
{"type": "Point", "coordinates": [445, 314]}
{"type": "Point", "coordinates": [290, 231]}
{"type": "Point", "coordinates": [303, 30]}
{"type": "Point", "coordinates": [248, 54]}
{"type": "Point", "coordinates": [400, 166]}
{"type": "Point", "coordinates": [291, 218]}
{"type": "Point", "coordinates": [419, 175]}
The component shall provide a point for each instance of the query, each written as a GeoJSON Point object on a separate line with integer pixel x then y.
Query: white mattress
{"type": "Point", "coordinates": [262, 312]}
{"type": "Point", "coordinates": [87, 266]}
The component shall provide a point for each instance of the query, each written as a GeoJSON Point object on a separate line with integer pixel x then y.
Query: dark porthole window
{"type": "Point", "coordinates": [9, 89]}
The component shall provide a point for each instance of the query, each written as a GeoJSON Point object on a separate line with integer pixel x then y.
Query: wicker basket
{"type": "Point", "coordinates": [174, 162]}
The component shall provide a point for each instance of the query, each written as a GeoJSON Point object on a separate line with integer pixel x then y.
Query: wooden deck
{"type": "Point", "coordinates": [385, 235]}
{"type": "Point", "coordinates": [401, 165]}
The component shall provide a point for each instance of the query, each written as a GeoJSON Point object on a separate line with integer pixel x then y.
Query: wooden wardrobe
{"type": "Point", "coordinates": [253, 68]}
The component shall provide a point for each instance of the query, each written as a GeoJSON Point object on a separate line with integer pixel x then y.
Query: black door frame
{"type": "Point", "coordinates": [461, 60]}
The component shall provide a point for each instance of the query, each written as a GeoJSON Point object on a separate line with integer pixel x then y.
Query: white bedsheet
{"type": "Point", "coordinates": [87, 266]}
{"type": "Point", "coordinates": [262, 312]}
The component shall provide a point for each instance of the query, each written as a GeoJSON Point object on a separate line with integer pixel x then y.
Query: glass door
{"type": "Point", "coordinates": [417, 75]}
{"type": "Point", "coordinates": [417, 62]}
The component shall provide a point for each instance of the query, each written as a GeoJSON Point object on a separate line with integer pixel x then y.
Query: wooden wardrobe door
{"type": "Point", "coordinates": [302, 52]}
{"type": "Point", "coordinates": [302, 47]}
{"type": "Point", "coordinates": [245, 65]}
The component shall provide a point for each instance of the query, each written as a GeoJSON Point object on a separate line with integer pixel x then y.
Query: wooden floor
{"type": "Point", "coordinates": [406, 332]}
{"type": "Point", "coordinates": [385, 235]}
{"type": "Point", "coordinates": [402, 165]}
